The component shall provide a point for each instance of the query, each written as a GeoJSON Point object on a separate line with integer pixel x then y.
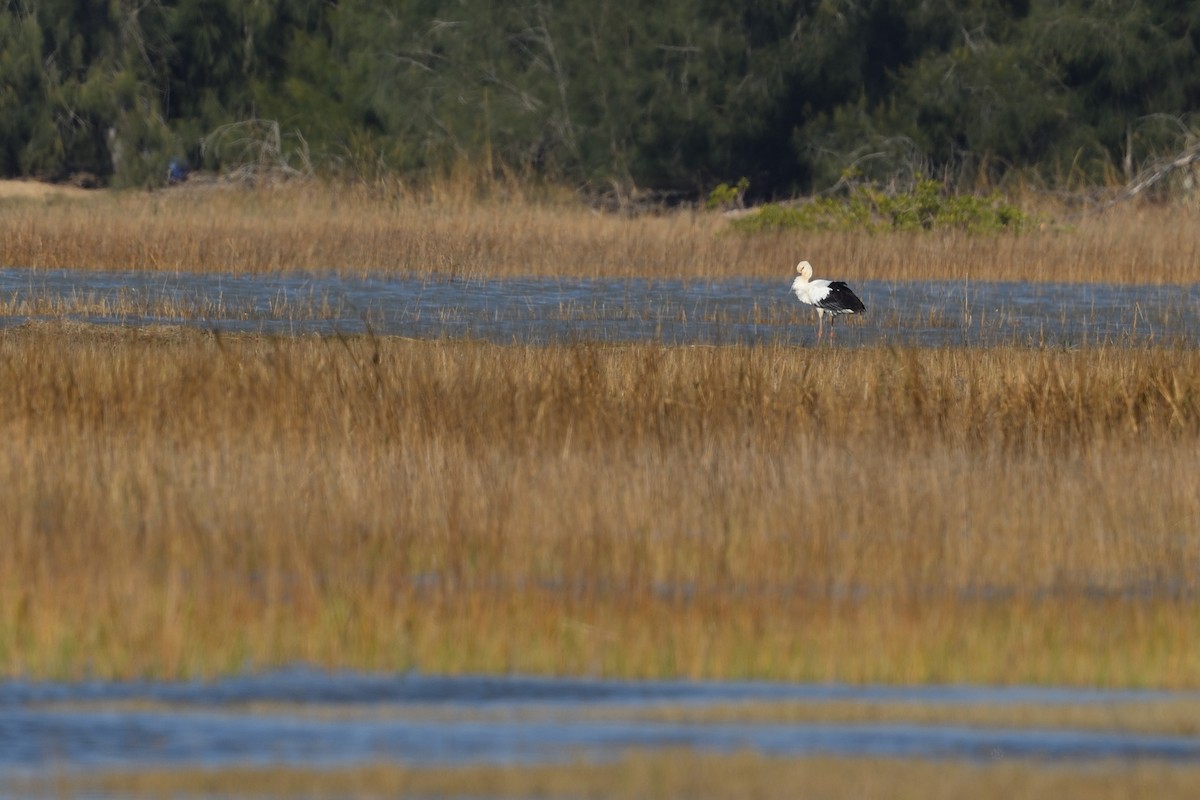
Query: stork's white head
{"type": "Point", "coordinates": [805, 270]}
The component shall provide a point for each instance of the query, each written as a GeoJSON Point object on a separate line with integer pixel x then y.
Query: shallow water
{"type": "Point", "coordinates": [307, 718]}
{"type": "Point", "coordinates": [539, 310]}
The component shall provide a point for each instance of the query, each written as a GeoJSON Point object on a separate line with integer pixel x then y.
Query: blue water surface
{"type": "Point", "coordinates": [545, 310]}
{"type": "Point", "coordinates": [267, 719]}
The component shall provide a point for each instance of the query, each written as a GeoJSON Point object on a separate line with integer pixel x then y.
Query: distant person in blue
{"type": "Point", "coordinates": [177, 172]}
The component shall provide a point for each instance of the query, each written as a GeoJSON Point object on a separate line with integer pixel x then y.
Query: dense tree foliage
{"type": "Point", "coordinates": [675, 96]}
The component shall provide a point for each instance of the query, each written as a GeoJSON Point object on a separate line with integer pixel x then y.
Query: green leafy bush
{"type": "Point", "coordinates": [726, 196]}
{"type": "Point", "coordinates": [925, 207]}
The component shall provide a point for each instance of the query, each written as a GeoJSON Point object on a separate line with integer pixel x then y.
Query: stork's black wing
{"type": "Point", "coordinates": [842, 300]}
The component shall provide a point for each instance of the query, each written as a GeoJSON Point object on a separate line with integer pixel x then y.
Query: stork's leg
{"type": "Point", "coordinates": [832, 319]}
{"type": "Point", "coordinates": [820, 325]}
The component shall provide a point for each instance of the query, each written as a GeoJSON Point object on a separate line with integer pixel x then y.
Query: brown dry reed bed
{"type": "Point", "coordinates": [508, 230]}
{"type": "Point", "coordinates": [183, 504]}
{"type": "Point", "coordinates": [681, 774]}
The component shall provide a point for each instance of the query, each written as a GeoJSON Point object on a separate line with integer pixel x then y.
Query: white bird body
{"type": "Point", "coordinates": [828, 297]}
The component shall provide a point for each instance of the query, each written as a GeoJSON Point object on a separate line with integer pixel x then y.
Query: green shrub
{"type": "Point", "coordinates": [925, 207]}
{"type": "Point", "coordinates": [726, 196]}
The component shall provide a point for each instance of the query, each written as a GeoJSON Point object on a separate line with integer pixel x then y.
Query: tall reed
{"type": "Point", "coordinates": [183, 504]}
{"type": "Point", "coordinates": [671, 774]}
{"type": "Point", "coordinates": [511, 232]}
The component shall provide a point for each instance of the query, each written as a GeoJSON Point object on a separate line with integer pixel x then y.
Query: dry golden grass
{"type": "Point", "coordinates": [679, 774]}
{"type": "Point", "coordinates": [180, 504]}
{"type": "Point", "coordinates": [37, 190]}
{"type": "Point", "coordinates": [451, 230]}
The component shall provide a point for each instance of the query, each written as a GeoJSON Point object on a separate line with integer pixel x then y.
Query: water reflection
{"type": "Point", "coordinates": [541, 310]}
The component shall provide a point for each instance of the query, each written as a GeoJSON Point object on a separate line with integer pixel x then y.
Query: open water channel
{"type": "Point", "coordinates": [307, 718]}
{"type": "Point", "coordinates": [543, 310]}
{"type": "Point", "coordinates": [302, 717]}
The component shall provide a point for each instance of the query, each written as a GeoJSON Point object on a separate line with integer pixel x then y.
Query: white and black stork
{"type": "Point", "coordinates": [828, 297]}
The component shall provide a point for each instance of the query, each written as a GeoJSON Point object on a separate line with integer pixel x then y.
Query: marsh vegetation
{"type": "Point", "coordinates": [183, 502]}
{"type": "Point", "coordinates": [186, 504]}
{"type": "Point", "coordinates": [470, 228]}
{"type": "Point", "coordinates": [682, 774]}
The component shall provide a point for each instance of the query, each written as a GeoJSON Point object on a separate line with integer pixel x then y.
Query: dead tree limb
{"type": "Point", "coordinates": [1157, 172]}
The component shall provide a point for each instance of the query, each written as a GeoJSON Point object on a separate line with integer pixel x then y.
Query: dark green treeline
{"type": "Point", "coordinates": [675, 95]}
